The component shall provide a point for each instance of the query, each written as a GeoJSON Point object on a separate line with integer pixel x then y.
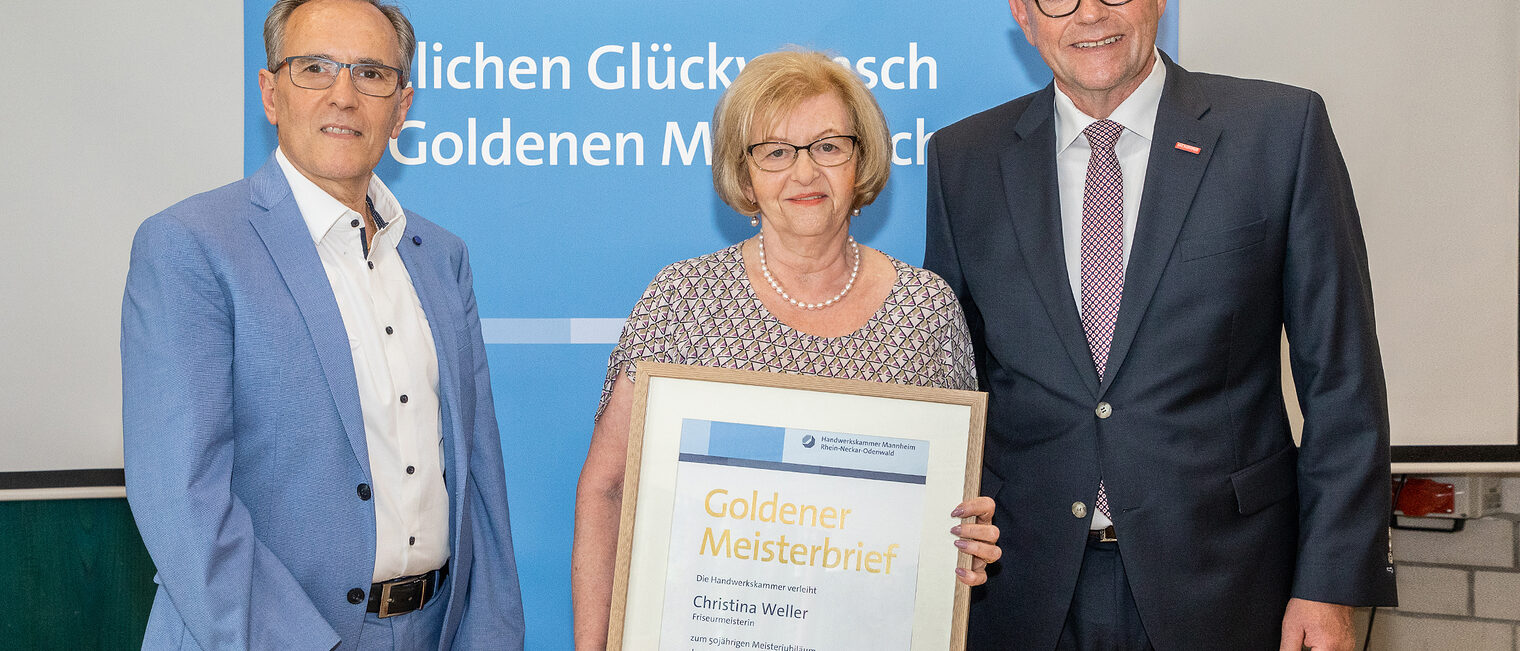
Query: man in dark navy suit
{"type": "Point", "coordinates": [1129, 244]}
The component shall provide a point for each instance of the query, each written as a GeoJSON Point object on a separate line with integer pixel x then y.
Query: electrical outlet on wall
{"type": "Point", "coordinates": [1450, 496]}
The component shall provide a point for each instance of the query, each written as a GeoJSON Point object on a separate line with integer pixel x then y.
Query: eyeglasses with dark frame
{"type": "Point", "coordinates": [828, 151]}
{"type": "Point", "coordinates": [1064, 8]}
{"type": "Point", "coordinates": [319, 73]}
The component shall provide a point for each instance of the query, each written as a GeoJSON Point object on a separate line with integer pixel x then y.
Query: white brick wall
{"type": "Point", "coordinates": [1496, 595]}
{"type": "Point", "coordinates": [1394, 630]}
{"type": "Point", "coordinates": [1458, 591]}
{"type": "Point", "coordinates": [1434, 590]}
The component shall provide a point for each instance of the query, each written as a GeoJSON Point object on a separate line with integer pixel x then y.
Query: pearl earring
{"type": "Point", "coordinates": [754, 220]}
{"type": "Point", "coordinates": [855, 212]}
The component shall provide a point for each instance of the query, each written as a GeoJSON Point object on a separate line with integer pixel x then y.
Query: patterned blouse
{"type": "Point", "coordinates": [704, 312]}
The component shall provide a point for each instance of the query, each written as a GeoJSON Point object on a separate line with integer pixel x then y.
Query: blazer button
{"type": "Point", "coordinates": [1104, 410]}
{"type": "Point", "coordinates": [355, 596]}
{"type": "Point", "coordinates": [1078, 510]}
{"type": "Point", "coordinates": [364, 492]}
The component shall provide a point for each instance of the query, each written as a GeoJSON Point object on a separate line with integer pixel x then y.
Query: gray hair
{"type": "Point", "coordinates": [279, 14]}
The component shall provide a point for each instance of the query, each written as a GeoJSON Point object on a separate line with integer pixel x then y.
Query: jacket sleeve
{"type": "Point", "coordinates": [493, 612]}
{"type": "Point", "coordinates": [941, 257]}
{"type": "Point", "coordinates": [1343, 462]}
{"type": "Point", "coordinates": [227, 588]}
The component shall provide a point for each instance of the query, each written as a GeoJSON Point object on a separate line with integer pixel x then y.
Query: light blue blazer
{"type": "Point", "coordinates": [245, 448]}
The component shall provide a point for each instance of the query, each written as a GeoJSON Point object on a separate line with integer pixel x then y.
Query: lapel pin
{"type": "Point", "coordinates": [417, 239]}
{"type": "Point", "coordinates": [1189, 148]}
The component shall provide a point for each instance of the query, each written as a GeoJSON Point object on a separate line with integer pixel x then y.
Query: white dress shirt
{"type": "Point", "coordinates": [1137, 114]}
{"type": "Point", "coordinates": [396, 366]}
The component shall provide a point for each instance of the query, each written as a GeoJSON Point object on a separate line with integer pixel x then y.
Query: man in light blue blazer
{"type": "Point", "coordinates": [312, 454]}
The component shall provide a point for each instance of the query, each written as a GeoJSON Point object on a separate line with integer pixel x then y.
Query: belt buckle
{"type": "Point", "coordinates": [385, 596]}
{"type": "Point", "coordinates": [1108, 535]}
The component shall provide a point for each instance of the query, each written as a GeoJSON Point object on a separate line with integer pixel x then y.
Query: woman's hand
{"type": "Point", "coordinates": [978, 539]}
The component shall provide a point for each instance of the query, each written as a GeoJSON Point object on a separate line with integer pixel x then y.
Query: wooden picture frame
{"type": "Point", "coordinates": [860, 474]}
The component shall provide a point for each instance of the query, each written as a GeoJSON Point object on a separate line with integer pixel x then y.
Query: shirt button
{"type": "Point", "coordinates": [389, 330]}
{"type": "Point", "coordinates": [411, 470]}
{"type": "Point", "coordinates": [355, 224]}
{"type": "Point", "coordinates": [1078, 510]}
{"type": "Point", "coordinates": [1104, 410]}
{"type": "Point", "coordinates": [355, 596]}
{"type": "Point", "coordinates": [364, 492]}
{"type": "Point", "coordinates": [403, 398]}
{"type": "Point", "coordinates": [412, 540]}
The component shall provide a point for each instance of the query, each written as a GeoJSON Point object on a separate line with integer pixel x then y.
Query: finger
{"type": "Point", "coordinates": [980, 508]}
{"type": "Point", "coordinates": [980, 550]}
{"type": "Point", "coordinates": [984, 509]}
{"type": "Point", "coordinates": [1292, 640]}
{"type": "Point", "coordinates": [987, 533]}
{"type": "Point", "coordinates": [970, 577]}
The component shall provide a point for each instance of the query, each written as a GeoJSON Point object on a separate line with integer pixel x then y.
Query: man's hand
{"type": "Point", "coordinates": [1317, 625]}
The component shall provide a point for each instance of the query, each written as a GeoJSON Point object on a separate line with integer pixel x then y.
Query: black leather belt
{"type": "Point", "coordinates": [1106, 534]}
{"type": "Point", "coordinates": [406, 594]}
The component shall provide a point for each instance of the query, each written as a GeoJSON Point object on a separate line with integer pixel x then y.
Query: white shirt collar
{"type": "Point", "coordinates": [1137, 113]}
{"type": "Point", "coordinates": [321, 211]}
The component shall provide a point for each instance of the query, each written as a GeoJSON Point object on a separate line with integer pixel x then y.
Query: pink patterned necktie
{"type": "Point", "coordinates": [1102, 249]}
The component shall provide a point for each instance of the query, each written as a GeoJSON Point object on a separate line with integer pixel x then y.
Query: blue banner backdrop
{"type": "Point", "coordinates": [566, 142]}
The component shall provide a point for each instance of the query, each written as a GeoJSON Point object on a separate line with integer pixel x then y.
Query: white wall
{"type": "Point", "coordinates": [1425, 101]}
{"type": "Point", "coordinates": [112, 112]}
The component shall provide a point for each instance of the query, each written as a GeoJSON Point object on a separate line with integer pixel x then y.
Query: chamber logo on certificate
{"type": "Point", "coordinates": [792, 539]}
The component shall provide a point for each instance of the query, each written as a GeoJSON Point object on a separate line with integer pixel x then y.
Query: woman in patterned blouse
{"type": "Point", "coordinates": [799, 145]}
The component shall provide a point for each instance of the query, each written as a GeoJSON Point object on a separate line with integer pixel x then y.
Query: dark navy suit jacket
{"type": "Point", "coordinates": [1221, 518]}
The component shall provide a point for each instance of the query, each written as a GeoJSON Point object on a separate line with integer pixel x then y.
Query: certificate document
{"type": "Point", "coordinates": [790, 513]}
{"type": "Point", "coordinates": [778, 531]}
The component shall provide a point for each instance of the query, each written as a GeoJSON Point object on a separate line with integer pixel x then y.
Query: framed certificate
{"type": "Point", "coordinates": [788, 512]}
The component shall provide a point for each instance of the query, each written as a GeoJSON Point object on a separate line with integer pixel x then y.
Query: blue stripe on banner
{"type": "Point", "coordinates": [595, 331]}
{"type": "Point", "coordinates": [802, 468]}
{"type": "Point", "coordinates": [551, 331]}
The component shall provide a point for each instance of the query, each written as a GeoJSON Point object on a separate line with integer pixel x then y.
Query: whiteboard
{"type": "Point", "coordinates": [1426, 107]}
{"type": "Point", "coordinates": [105, 134]}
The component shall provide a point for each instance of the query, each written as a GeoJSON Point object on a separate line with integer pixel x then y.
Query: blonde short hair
{"type": "Point", "coordinates": [772, 85]}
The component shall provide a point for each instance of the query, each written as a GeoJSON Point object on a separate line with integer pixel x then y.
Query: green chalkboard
{"type": "Point", "coordinates": [77, 576]}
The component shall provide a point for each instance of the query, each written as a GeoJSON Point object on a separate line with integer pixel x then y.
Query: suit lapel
{"type": "Point", "coordinates": [288, 241]}
{"type": "Point", "coordinates": [1035, 207]}
{"type": "Point", "coordinates": [1171, 181]}
{"type": "Point", "coordinates": [428, 269]}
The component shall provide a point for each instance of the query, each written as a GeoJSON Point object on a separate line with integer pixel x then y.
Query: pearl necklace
{"type": "Point", "coordinates": [855, 248]}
